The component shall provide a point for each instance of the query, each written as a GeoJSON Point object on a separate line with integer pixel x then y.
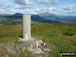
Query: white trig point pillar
{"type": "Point", "coordinates": [26, 26]}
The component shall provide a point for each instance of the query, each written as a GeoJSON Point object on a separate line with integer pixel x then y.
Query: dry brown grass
{"type": "Point", "coordinates": [10, 30]}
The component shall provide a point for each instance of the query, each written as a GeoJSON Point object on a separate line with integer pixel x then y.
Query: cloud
{"type": "Point", "coordinates": [12, 8]}
{"type": "Point", "coordinates": [68, 7]}
{"type": "Point", "coordinates": [54, 9]}
{"type": "Point", "coordinates": [23, 7]}
{"type": "Point", "coordinates": [56, 1]}
{"type": "Point", "coordinates": [49, 1]}
{"type": "Point", "coordinates": [44, 1]}
{"type": "Point", "coordinates": [24, 2]}
{"type": "Point", "coordinates": [4, 5]}
{"type": "Point", "coordinates": [41, 10]}
{"type": "Point", "coordinates": [30, 12]}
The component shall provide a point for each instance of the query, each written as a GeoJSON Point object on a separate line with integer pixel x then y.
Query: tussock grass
{"type": "Point", "coordinates": [9, 32]}
{"type": "Point", "coordinates": [62, 37]}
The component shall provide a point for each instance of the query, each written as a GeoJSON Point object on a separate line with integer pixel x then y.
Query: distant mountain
{"type": "Point", "coordinates": [18, 14]}
{"type": "Point", "coordinates": [66, 19]}
{"type": "Point", "coordinates": [54, 17]}
{"type": "Point", "coordinates": [38, 18]}
{"type": "Point", "coordinates": [50, 16]}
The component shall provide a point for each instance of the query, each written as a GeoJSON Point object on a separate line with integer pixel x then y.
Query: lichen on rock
{"type": "Point", "coordinates": [33, 47]}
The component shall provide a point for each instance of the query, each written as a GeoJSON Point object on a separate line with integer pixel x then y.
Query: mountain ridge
{"type": "Point", "coordinates": [40, 18]}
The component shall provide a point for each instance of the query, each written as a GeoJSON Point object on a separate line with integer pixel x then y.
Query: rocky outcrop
{"type": "Point", "coordinates": [32, 48]}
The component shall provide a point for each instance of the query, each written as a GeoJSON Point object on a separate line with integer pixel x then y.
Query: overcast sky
{"type": "Point", "coordinates": [59, 7]}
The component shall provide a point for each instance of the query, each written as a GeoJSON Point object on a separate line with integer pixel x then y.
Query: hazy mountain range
{"type": "Point", "coordinates": [50, 17]}
{"type": "Point", "coordinates": [42, 17]}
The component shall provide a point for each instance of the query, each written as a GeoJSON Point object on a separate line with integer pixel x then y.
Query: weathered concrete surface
{"type": "Point", "coordinates": [26, 27]}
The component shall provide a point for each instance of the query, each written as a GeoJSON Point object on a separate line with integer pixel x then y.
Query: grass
{"type": "Point", "coordinates": [63, 36]}
{"type": "Point", "coordinates": [9, 32]}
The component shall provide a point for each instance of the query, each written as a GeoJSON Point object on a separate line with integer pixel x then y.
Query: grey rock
{"type": "Point", "coordinates": [35, 47]}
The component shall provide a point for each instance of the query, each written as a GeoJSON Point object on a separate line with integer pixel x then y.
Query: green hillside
{"type": "Point", "coordinates": [13, 19]}
{"type": "Point", "coordinates": [17, 20]}
{"type": "Point", "coordinates": [61, 36]}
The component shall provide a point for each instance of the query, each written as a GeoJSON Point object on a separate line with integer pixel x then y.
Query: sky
{"type": "Point", "coordinates": [59, 7]}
